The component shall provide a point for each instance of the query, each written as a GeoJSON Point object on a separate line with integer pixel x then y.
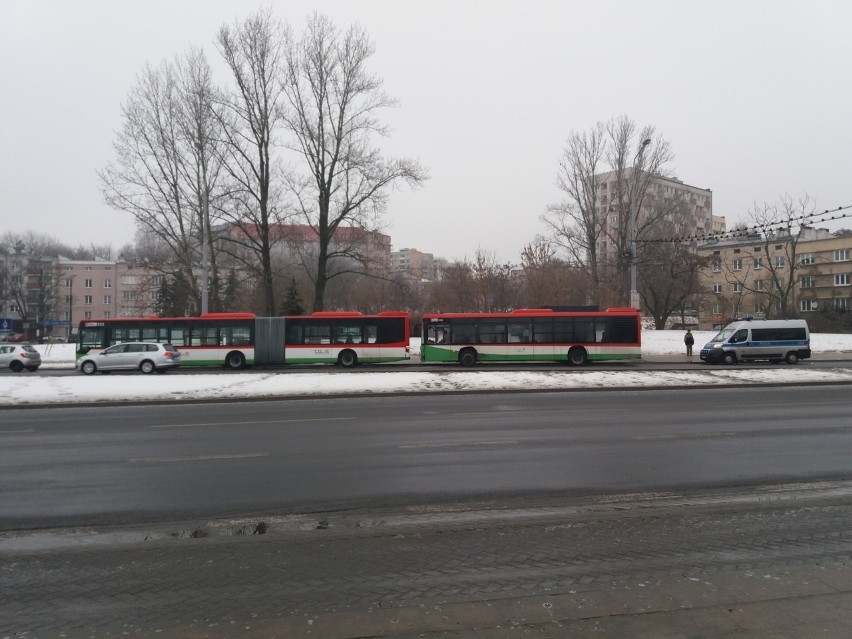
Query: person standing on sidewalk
{"type": "Point", "coordinates": [689, 340]}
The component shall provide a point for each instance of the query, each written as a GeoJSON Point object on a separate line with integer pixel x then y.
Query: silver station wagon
{"type": "Point", "coordinates": [146, 357]}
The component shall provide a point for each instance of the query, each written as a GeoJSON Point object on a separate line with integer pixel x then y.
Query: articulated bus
{"type": "Point", "coordinates": [575, 337]}
{"type": "Point", "coordinates": [237, 340]}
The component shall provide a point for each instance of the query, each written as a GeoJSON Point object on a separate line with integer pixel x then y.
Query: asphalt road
{"type": "Point", "coordinates": [705, 513]}
{"type": "Point", "coordinates": [137, 464]}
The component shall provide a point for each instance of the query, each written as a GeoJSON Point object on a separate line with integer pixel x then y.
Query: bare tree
{"type": "Point", "coordinates": [549, 281]}
{"type": "Point", "coordinates": [332, 102]}
{"type": "Point", "coordinates": [776, 232]}
{"type": "Point", "coordinates": [575, 224]}
{"type": "Point", "coordinates": [254, 51]}
{"type": "Point", "coordinates": [162, 172]}
{"type": "Point", "coordinates": [605, 174]}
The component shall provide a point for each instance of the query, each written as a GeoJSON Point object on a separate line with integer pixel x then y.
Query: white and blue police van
{"type": "Point", "coordinates": [750, 339]}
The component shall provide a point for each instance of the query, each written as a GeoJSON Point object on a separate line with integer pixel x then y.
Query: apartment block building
{"type": "Point", "coordinates": [680, 208]}
{"type": "Point", "coordinates": [416, 264]}
{"type": "Point", "coordinates": [745, 274]}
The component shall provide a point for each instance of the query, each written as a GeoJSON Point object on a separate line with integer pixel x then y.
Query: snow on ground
{"type": "Point", "coordinates": [29, 389]}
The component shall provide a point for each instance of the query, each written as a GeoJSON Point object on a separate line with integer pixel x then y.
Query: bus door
{"type": "Point", "coordinates": [520, 344]}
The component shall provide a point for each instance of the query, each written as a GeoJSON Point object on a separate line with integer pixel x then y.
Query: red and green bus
{"type": "Point", "coordinates": [532, 335]}
{"type": "Point", "coordinates": [237, 340]}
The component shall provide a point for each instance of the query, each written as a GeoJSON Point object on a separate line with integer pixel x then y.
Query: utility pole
{"type": "Point", "coordinates": [634, 213]}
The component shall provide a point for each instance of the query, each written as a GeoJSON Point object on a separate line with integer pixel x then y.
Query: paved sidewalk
{"type": "Point", "coordinates": [768, 562]}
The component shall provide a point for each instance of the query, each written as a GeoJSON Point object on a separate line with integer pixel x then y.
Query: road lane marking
{"type": "Point", "coordinates": [495, 442]}
{"type": "Point", "coordinates": [164, 460]}
{"type": "Point", "coordinates": [17, 432]}
{"type": "Point", "coordinates": [266, 421]}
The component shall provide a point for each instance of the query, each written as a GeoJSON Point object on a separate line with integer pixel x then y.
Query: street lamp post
{"type": "Point", "coordinates": [634, 213]}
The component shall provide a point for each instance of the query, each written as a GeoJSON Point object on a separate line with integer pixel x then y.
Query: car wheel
{"type": "Point", "coordinates": [147, 367]}
{"type": "Point", "coordinates": [792, 358]}
{"type": "Point", "coordinates": [468, 357]}
{"type": "Point", "coordinates": [88, 367]}
{"type": "Point", "coordinates": [16, 366]}
{"type": "Point", "coordinates": [729, 359]}
{"type": "Point", "coordinates": [578, 357]}
{"type": "Point", "coordinates": [347, 359]}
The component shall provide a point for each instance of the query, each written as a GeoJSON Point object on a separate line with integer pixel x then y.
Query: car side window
{"type": "Point", "coordinates": [118, 348]}
{"type": "Point", "coordinates": [152, 347]}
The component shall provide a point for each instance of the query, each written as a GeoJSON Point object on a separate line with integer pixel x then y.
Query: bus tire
{"type": "Point", "coordinates": [729, 359]}
{"type": "Point", "coordinates": [792, 358]}
{"type": "Point", "coordinates": [88, 368]}
{"type": "Point", "coordinates": [577, 356]}
{"type": "Point", "coordinates": [147, 367]}
{"type": "Point", "coordinates": [467, 357]}
{"type": "Point", "coordinates": [347, 358]}
{"type": "Point", "coordinates": [235, 361]}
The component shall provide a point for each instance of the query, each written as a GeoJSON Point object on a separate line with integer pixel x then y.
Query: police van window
{"type": "Point", "coordinates": [740, 336]}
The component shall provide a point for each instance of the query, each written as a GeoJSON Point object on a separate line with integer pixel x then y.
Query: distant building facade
{"type": "Point", "coordinates": [741, 280]}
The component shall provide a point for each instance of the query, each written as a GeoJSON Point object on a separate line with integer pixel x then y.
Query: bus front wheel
{"type": "Point", "coordinates": [467, 357]}
{"type": "Point", "coordinates": [577, 357]}
{"type": "Point", "coordinates": [235, 361]}
{"type": "Point", "coordinates": [729, 359]}
{"type": "Point", "coordinates": [347, 359]}
{"type": "Point", "coordinates": [792, 358]}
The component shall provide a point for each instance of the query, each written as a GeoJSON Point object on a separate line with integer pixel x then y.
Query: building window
{"type": "Point", "coordinates": [107, 314]}
{"type": "Point", "coordinates": [87, 315]}
{"type": "Point", "coordinates": [69, 282]}
{"type": "Point", "coordinates": [778, 247]}
{"type": "Point", "coordinates": [129, 279]}
{"type": "Point", "coordinates": [806, 258]}
{"type": "Point", "coordinates": [808, 281]}
{"type": "Point", "coordinates": [807, 305]}
{"type": "Point", "coordinates": [737, 287]}
{"type": "Point", "coordinates": [157, 280]}
{"type": "Point", "coordinates": [841, 303]}
{"type": "Point", "coordinates": [717, 266]}
{"type": "Point", "coordinates": [717, 288]}
{"type": "Point", "coordinates": [107, 299]}
{"type": "Point", "coordinates": [88, 268]}
{"type": "Point", "coordinates": [779, 261]}
{"type": "Point", "coordinates": [758, 285]}
{"type": "Point", "coordinates": [129, 295]}
{"type": "Point", "coordinates": [717, 308]}
{"type": "Point", "coordinates": [87, 299]}
{"type": "Point", "coordinates": [841, 255]}
{"type": "Point", "coordinates": [87, 283]}
{"type": "Point", "coordinates": [758, 263]}
{"type": "Point", "coordinates": [841, 279]}
{"type": "Point", "coordinates": [107, 283]}
{"type": "Point", "coordinates": [738, 264]}
{"type": "Point", "coordinates": [67, 299]}
{"type": "Point", "coordinates": [758, 249]}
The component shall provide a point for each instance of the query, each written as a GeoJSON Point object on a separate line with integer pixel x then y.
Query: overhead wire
{"type": "Point", "coordinates": [800, 220]}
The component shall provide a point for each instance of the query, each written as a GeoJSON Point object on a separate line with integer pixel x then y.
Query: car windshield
{"type": "Point", "coordinates": [724, 334]}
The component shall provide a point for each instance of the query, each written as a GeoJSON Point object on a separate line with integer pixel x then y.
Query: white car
{"type": "Point", "coordinates": [146, 357]}
{"type": "Point", "coordinates": [19, 357]}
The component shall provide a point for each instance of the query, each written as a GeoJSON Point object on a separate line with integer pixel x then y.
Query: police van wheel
{"type": "Point", "coordinates": [729, 358]}
{"type": "Point", "coordinates": [792, 358]}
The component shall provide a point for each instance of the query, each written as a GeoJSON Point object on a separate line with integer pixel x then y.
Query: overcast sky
{"type": "Point", "coordinates": [754, 97]}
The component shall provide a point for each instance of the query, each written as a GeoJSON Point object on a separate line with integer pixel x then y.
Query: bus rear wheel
{"type": "Point", "coordinates": [468, 357]}
{"type": "Point", "coordinates": [235, 361]}
{"type": "Point", "coordinates": [792, 358]}
{"type": "Point", "coordinates": [347, 359]}
{"type": "Point", "coordinates": [577, 356]}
